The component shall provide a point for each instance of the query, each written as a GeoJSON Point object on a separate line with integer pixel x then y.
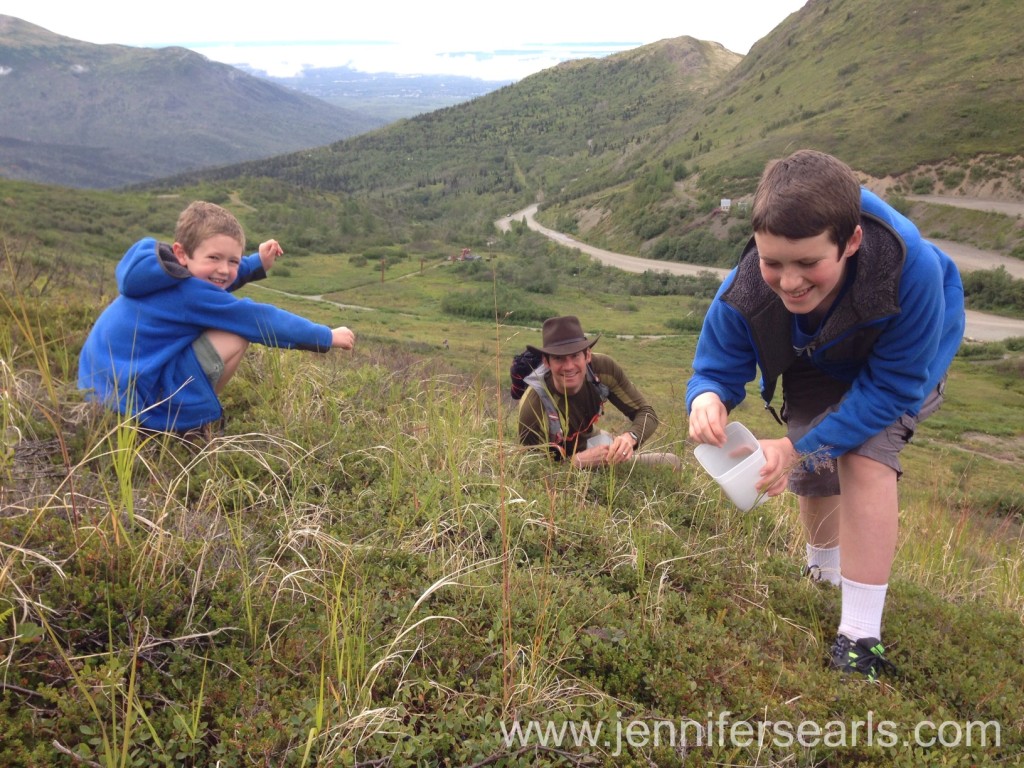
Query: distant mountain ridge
{"type": "Point", "coordinates": [634, 150]}
{"type": "Point", "coordinates": [103, 116]}
{"type": "Point", "coordinates": [557, 123]}
{"type": "Point", "coordinates": [631, 150]}
{"type": "Point", "coordinates": [384, 94]}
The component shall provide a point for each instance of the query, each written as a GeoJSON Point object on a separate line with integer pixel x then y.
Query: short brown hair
{"type": "Point", "coordinates": [201, 221]}
{"type": "Point", "coordinates": [806, 194]}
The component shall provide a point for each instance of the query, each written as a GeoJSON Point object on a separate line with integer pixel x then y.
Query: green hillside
{"type": "Point", "coordinates": [102, 116]}
{"type": "Point", "coordinates": [363, 568]}
{"type": "Point", "coordinates": [463, 164]}
{"type": "Point", "coordinates": [634, 150]}
{"type": "Point", "coordinates": [909, 93]}
{"type": "Point", "coordinates": [889, 86]}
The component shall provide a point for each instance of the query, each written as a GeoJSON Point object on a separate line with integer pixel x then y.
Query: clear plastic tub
{"type": "Point", "coordinates": [736, 466]}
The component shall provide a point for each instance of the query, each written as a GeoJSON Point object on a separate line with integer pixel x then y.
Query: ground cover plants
{"type": "Point", "coordinates": [365, 570]}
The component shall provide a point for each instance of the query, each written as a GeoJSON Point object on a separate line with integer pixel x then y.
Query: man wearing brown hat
{"type": "Point", "coordinates": [565, 397]}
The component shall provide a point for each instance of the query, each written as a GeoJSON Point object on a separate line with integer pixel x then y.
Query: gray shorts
{"type": "Point", "coordinates": [810, 395]}
{"type": "Point", "coordinates": [209, 359]}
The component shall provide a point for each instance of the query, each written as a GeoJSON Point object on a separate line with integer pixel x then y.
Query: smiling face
{"type": "Point", "coordinates": [807, 274]}
{"type": "Point", "coordinates": [569, 372]}
{"type": "Point", "coordinates": [215, 260]}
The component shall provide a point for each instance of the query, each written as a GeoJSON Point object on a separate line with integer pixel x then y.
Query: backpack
{"type": "Point", "coordinates": [523, 364]}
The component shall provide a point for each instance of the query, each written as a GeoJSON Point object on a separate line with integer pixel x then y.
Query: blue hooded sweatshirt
{"type": "Point", "coordinates": [138, 358]}
{"type": "Point", "coordinates": [892, 334]}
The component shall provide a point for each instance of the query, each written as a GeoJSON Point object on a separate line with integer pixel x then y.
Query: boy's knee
{"type": "Point", "coordinates": [869, 461]}
{"type": "Point", "coordinates": [228, 345]}
{"type": "Point", "coordinates": [219, 354]}
{"type": "Point", "coordinates": [209, 357]}
{"type": "Point", "coordinates": [859, 467]}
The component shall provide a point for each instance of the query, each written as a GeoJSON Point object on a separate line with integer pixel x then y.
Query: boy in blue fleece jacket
{"type": "Point", "coordinates": [840, 296]}
{"type": "Point", "coordinates": [166, 346]}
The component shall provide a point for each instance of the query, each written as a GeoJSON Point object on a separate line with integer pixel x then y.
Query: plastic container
{"type": "Point", "coordinates": [736, 466]}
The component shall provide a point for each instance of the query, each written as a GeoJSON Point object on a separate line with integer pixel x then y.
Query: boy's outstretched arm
{"type": "Point", "coordinates": [343, 338]}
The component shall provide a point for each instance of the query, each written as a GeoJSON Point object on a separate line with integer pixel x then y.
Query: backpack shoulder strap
{"type": "Point", "coordinates": [593, 378]}
{"type": "Point", "coordinates": [535, 381]}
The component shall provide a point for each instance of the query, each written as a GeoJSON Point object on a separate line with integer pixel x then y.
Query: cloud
{"type": "Point", "coordinates": [400, 35]}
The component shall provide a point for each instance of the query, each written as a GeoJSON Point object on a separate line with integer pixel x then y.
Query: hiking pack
{"type": "Point", "coordinates": [523, 364]}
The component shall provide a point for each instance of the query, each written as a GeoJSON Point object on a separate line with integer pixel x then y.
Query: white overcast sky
{"type": "Point", "coordinates": [410, 36]}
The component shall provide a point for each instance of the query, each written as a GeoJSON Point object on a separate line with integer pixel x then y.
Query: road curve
{"type": "Point", "coordinates": [620, 260]}
{"type": "Point", "coordinates": [980, 326]}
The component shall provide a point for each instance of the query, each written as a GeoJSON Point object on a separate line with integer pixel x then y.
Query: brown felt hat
{"type": "Point", "coordinates": [563, 336]}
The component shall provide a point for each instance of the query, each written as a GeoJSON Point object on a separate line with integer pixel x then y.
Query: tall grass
{"type": "Point", "coordinates": [366, 570]}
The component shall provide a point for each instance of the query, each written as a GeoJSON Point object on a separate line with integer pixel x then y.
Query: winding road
{"type": "Point", "coordinates": [980, 326]}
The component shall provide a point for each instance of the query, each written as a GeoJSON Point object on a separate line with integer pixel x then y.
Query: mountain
{"type": "Point", "coordinates": [538, 136]}
{"type": "Point", "coordinates": [632, 150]}
{"type": "Point", "coordinates": [102, 116]}
{"type": "Point", "coordinates": [384, 95]}
{"type": "Point", "coordinates": [922, 96]}
{"type": "Point", "coordinates": [889, 85]}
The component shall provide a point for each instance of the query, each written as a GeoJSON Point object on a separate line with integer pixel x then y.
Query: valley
{"type": "Point", "coordinates": [981, 326]}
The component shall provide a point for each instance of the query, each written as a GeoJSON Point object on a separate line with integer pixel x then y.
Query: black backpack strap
{"type": "Point", "coordinates": [602, 389]}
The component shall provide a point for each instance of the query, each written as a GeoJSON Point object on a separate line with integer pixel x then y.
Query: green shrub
{"type": "Point", "coordinates": [994, 290]}
{"type": "Point", "coordinates": [1014, 343]}
{"type": "Point", "coordinates": [989, 350]}
{"type": "Point", "coordinates": [953, 178]}
{"type": "Point", "coordinates": [486, 305]}
{"type": "Point", "coordinates": [688, 324]}
{"type": "Point", "coordinates": [923, 185]}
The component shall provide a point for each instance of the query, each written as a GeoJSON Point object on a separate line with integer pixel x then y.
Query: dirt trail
{"type": "Point", "coordinates": [968, 257]}
{"type": "Point", "coordinates": [980, 326]}
{"type": "Point", "coordinates": [1008, 207]}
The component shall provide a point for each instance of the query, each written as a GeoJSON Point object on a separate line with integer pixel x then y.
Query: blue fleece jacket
{"type": "Point", "coordinates": [138, 357]}
{"type": "Point", "coordinates": [892, 334]}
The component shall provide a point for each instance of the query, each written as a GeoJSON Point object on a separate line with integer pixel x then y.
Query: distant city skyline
{"type": "Point", "coordinates": [448, 37]}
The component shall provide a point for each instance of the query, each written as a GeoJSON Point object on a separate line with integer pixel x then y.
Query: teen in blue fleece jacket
{"type": "Point", "coordinates": [164, 348]}
{"type": "Point", "coordinates": [840, 296]}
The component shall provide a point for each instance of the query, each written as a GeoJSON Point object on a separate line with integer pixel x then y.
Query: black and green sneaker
{"type": "Point", "coordinates": [818, 575]}
{"type": "Point", "coordinates": [863, 656]}
{"type": "Point", "coordinates": [812, 572]}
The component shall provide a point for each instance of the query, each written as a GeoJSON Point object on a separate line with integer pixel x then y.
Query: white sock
{"type": "Point", "coordinates": [862, 610]}
{"type": "Point", "coordinates": [827, 560]}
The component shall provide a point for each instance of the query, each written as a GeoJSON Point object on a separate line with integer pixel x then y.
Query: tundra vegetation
{"type": "Point", "coordinates": [364, 569]}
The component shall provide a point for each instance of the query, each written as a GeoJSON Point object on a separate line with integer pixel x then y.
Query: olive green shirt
{"type": "Point", "coordinates": [578, 412]}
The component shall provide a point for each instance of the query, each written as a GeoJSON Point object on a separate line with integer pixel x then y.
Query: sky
{"type": "Point", "coordinates": [487, 40]}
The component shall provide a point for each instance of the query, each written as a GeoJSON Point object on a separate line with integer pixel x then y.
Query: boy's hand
{"type": "Point", "coordinates": [269, 251]}
{"type": "Point", "coordinates": [342, 337]}
{"type": "Point", "coordinates": [779, 458]}
{"type": "Point", "coordinates": [708, 417]}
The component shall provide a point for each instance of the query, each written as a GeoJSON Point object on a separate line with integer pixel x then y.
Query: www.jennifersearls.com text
{"type": "Point", "coordinates": [722, 730]}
